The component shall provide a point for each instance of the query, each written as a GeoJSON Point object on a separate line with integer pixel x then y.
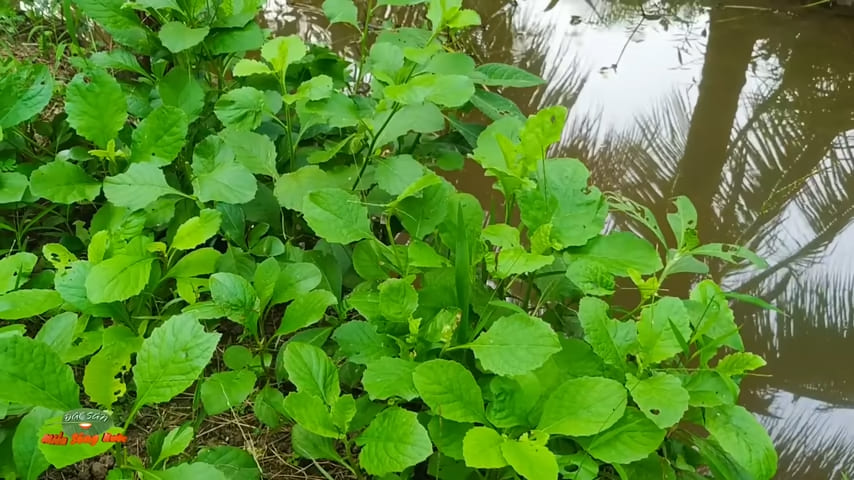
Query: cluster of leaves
{"type": "Point", "coordinates": [383, 317]}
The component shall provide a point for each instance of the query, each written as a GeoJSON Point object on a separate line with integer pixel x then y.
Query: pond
{"type": "Point", "coordinates": [749, 112]}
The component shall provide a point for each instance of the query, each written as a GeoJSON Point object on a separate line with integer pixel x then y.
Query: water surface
{"type": "Point", "coordinates": [749, 112]}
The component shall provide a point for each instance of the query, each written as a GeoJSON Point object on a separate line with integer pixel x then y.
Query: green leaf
{"type": "Point", "coordinates": [730, 253]}
{"type": "Point", "coordinates": [295, 280]}
{"type": "Point", "coordinates": [197, 230]}
{"type": "Point", "coordinates": [103, 379]}
{"type": "Point", "coordinates": [292, 188]}
{"type": "Point", "coordinates": [501, 75]}
{"type": "Point", "coordinates": [118, 278]}
{"type": "Point", "coordinates": [184, 471]}
{"type": "Point", "coordinates": [160, 136]}
{"type": "Point", "coordinates": [336, 216]}
{"type": "Point", "coordinates": [450, 391]}
{"type": "Point", "coordinates": [312, 371]}
{"type": "Point", "coordinates": [312, 446]}
{"type": "Point", "coordinates": [22, 304]}
{"type": "Point", "coordinates": [59, 333]}
{"type": "Point", "coordinates": [310, 412]}
{"type": "Point", "coordinates": [398, 300]}
{"type": "Point", "coordinates": [179, 88]}
{"type": "Point", "coordinates": [444, 90]}
{"type": "Point", "coordinates": [306, 310]}
{"type": "Point", "coordinates": [226, 390]}
{"type": "Point", "coordinates": [712, 316]}
{"type": "Point", "coordinates": [541, 131]}
{"type": "Point", "coordinates": [121, 60]}
{"type": "Point", "coordinates": [421, 216]}
{"type": "Point", "coordinates": [464, 18]}
{"type": "Point", "coordinates": [707, 388]}
{"type": "Point", "coordinates": [341, 11]}
{"type": "Point", "coordinates": [121, 23]}
{"type": "Point", "coordinates": [389, 377]}
{"type": "Point", "coordinates": [198, 262]}
{"type": "Point", "coordinates": [242, 108]}
{"type": "Point", "coordinates": [61, 456]}
{"type": "Point", "coordinates": [516, 261]}
{"type": "Point", "coordinates": [515, 345]}
{"type": "Point", "coordinates": [620, 252]}
{"type": "Point", "coordinates": [495, 106]}
{"type": "Point", "coordinates": [610, 339]}
{"type": "Point", "coordinates": [171, 359]}
{"type": "Point", "coordinates": [426, 118]}
{"type": "Point", "coordinates": [15, 270]}
{"type": "Point", "coordinates": [247, 67]}
{"type": "Point", "coordinates": [482, 448]}
{"type": "Point", "coordinates": [63, 182]}
{"type": "Point", "coordinates": [360, 343]}
{"type": "Point", "coordinates": [512, 400]}
{"type": "Point", "coordinates": [29, 460]}
{"type": "Point", "coordinates": [396, 173]}
{"type": "Point", "coordinates": [12, 186]}
{"type": "Point", "coordinates": [660, 397]}
{"type": "Point", "coordinates": [660, 327]}
{"type": "Point", "coordinates": [235, 463]}
{"type": "Point", "coordinates": [583, 406]}
{"type": "Point", "coordinates": [237, 299]}
{"type": "Point", "coordinates": [138, 187]}
{"type": "Point", "coordinates": [393, 442]}
{"type": "Point", "coordinates": [532, 460]}
{"type": "Point", "coordinates": [33, 374]}
{"type": "Point", "coordinates": [591, 277]}
{"type": "Point", "coordinates": [175, 442]}
{"type": "Point", "coordinates": [96, 106]}
{"type": "Point", "coordinates": [269, 406]}
{"type": "Point", "coordinates": [740, 434]}
{"type": "Point", "coordinates": [248, 38]}
{"type": "Point", "coordinates": [25, 91]}
{"type": "Point", "coordinates": [343, 411]}
{"type": "Point", "coordinates": [631, 439]}
{"type": "Point", "coordinates": [255, 151]}
{"type": "Point", "coordinates": [218, 176]}
{"type": "Point", "coordinates": [177, 37]}
{"type": "Point", "coordinates": [283, 51]}
{"type": "Point", "coordinates": [683, 223]}
{"type": "Point", "coordinates": [739, 363]}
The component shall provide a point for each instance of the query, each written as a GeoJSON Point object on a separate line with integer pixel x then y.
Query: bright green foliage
{"type": "Point", "coordinates": [292, 199]}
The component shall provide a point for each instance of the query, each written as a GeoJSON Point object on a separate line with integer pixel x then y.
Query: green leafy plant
{"type": "Point", "coordinates": [290, 207]}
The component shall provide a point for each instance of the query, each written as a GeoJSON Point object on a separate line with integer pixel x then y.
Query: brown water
{"type": "Point", "coordinates": [750, 113]}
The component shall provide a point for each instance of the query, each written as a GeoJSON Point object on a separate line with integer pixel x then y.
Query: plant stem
{"type": "Point", "coordinates": [363, 54]}
{"type": "Point", "coordinates": [373, 145]}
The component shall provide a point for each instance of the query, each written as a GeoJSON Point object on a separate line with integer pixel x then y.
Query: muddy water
{"type": "Point", "coordinates": [748, 111]}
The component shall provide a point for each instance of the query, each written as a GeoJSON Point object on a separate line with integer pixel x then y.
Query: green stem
{"type": "Point", "coordinates": [366, 29]}
{"type": "Point", "coordinates": [373, 145]}
{"type": "Point", "coordinates": [354, 465]}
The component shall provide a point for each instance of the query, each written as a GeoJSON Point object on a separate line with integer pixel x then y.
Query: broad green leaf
{"type": "Point", "coordinates": [541, 131]}
{"type": "Point", "coordinates": [448, 436]}
{"type": "Point", "coordinates": [516, 261]}
{"type": "Point", "coordinates": [511, 400]}
{"type": "Point", "coordinates": [29, 460]}
{"type": "Point", "coordinates": [336, 216]}
{"type": "Point", "coordinates": [269, 406]}
{"type": "Point", "coordinates": [177, 37]}
{"type": "Point", "coordinates": [283, 51]}
{"type": "Point", "coordinates": [25, 91]}
{"type": "Point", "coordinates": [463, 19]}
{"type": "Point", "coordinates": [343, 411]}
{"type": "Point", "coordinates": [444, 90]}
{"type": "Point", "coordinates": [591, 277]}
{"type": "Point", "coordinates": [175, 442]}
{"type": "Point", "coordinates": [341, 11]}
{"type": "Point", "coordinates": [395, 174]}
{"type": "Point", "coordinates": [501, 75]}
{"type": "Point", "coordinates": [103, 380]}
{"type": "Point", "coordinates": [118, 278]}
{"type": "Point", "coordinates": [621, 251]}
{"type": "Point", "coordinates": [482, 448]}
{"type": "Point", "coordinates": [236, 13]}
{"type": "Point", "coordinates": [515, 345]}
{"type": "Point", "coordinates": [138, 187]}
{"type": "Point", "coordinates": [532, 460]}
{"type": "Point", "coordinates": [721, 463]}
{"type": "Point", "coordinates": [713, 317]}
{"type": "Point", "coordinates": [583, 406]}
{"type": "Point", "coordinates": [121, 23]}
{"type": "Point", "coordinates": [742, 436]}
{"type": "Point", "coordinates": [292, 188]}
{"type": "Point", "coordinates": [197, 230]}
{"type": "Point", "coordinates": [255, 151]}
{"type": "Point", "coordinates": [33, 374]}
{"type": "Point", "coordinates": [660, 326]}
{"type": "Point", "coordinates": [235, 463]}
{"type": "Point", "coordinates": [160, 136]}
{"type": "Point", "coordinates": [180, 88]}
{"type": "Point", "coordinates": [739, 363]}
{"type": "Point", "coordinates": [389, 377]}
{"type": "Point", "coordinates": [12, 186]}
{"type": "Point", "coordinates": [295, 279]}
{"type": "Point", "coordinates": [121, 60]}
{"type": "Point", "coordinates": [495, 106]}
{"type": "Point", "coordinates": [310, 412]}
{"type": "Point", "coordinates": [683, 223]}
{"type": "Point", "coordinates": [393, 442]}
{"type": "Point", "coordinates": [631, 439]}
{"type": "Point", "coordinates": [398, 300]}
{"type": "Point", "coordinates": [305, 311]}
{"type": "Point", "coordinates": [96, 106]}
{"type": "Point", "coordinates": [707, 388]}
{"type": "Point", "coordinates": [59, 333]}
{"type": "Point", "coordinates": [579, 466]}
{"type": "Point", "coordinates": [226, 390]}
{"type": "Point", "coordinates": [184, 471]}
{"type": "Point", "coordinates": [198, 262]}
{"type": "Point", "coordinates": [237, 299]}
{"type": "Point", "coordinates": [422, 215]}
{"type": "Point", "coordinates": [171, 359]}
{"type": "Point", "coordinates": [218, 176]}
{"type": "Point", "coordinates": [15, 270]}
{"type": "Point", "coordinates": [423, 118]}
{"type": "Point", "coordinates": [61, 456]}
{"type": "Point", "coordinates": [730, 253]}
{"type": "Point", "coordinates": [22, 304]}
{"type": "Point", "coordinates": [312, 446]}
{"type": "Point", "coordinates": [660, 397]}
{"type": "Point", "coordinates": [63, 182]}
{"type": "Point", "coordinates": [247, 67]}
{"type": "Point", "coordinates": [450, 391]}
{"type": "Point", "coordinates": [312, 371]}
{"type": "Point", "coordinates": [360, 343]}
{"type": "Point", "coordinates": [242, 108]}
